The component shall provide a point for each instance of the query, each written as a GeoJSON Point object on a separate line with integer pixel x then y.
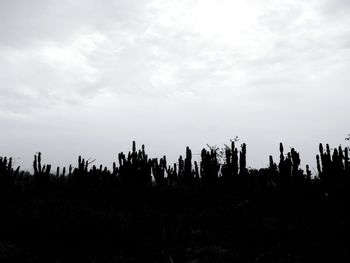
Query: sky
{"type": "Point", "coordinates": [88, 77]}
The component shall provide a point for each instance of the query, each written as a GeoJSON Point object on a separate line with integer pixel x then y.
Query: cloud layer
{"type": "Point", "coordinates": [172, 73]}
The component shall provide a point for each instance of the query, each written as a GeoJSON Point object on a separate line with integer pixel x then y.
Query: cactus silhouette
{"type": "Point", "coordinates": [158, 170]}
{"type": "Point", "coordinates": [41, 173]}
{"type": "Point", "coordinates": [188, 175]}
{"type": "Point", "coordinates": [333, 168]}
{"type": "Point", "coordinates": [144, 200]}
{"type": "Point", "coordinates": [7, 174]}
{"type": "Point", "coordinates": [230, 168]}
{"type": "Point", "coordinates": [136, 169]}
{"type": "Point", "coordinates": [242, 160]}
{"type": "Point", "coordinates": [209, 167]}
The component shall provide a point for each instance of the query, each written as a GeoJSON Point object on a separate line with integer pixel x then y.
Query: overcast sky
{"type": "Point", "coordinates": [89, 76]}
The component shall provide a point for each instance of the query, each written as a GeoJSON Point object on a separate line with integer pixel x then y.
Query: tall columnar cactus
{"type": "Point", "coordinates": [282, 165]}
{"type": "Point", "coordinates": [273, 171]}
{"type": "Point", "coordinates": [242, 160]}
{"type": "Point", "coordinates": [226, 169]}
{"type": "Point", "coordinates": [328, 150]}
{"type": "Point", "coordinates": [321, 160]}
{"type": "Point", "coordinates": [319, 170]}
{"type": "Point", "coordinates": [188, 178]}
{"type": "Point", "coordinates": [336, 167]}
{"type": "Point", "coordinates": [346, 161]}
{"type": "Point", "coordinates": [114, 169]}
{"type": "Point", "coordinates": [196, 172]}
{"type": "Point", "coordinates": [181, 170]}
{"type": "Point", "coordinates": [288, 163]}
{"type": "Point", "coordinates": [341, 157]}
{"type": "Point", "coordinates": [234, 159]}
{"type": "Point", "coordinates": [272, 165]}
{"type": "Point", "coordinates": [295, 162]}
{"type": "Point", "coordinates": [337, 162]}
{"type": "Point", "coordinates": [326, 163]}
{"type": "Point", "coordinates": [70, 169]}
{"type": "Point", "coordinates": [308, 173]}
{"type": "Point", "coordinates": [281, 154]}
{"type": "Point", "coordinates": [133, 147]}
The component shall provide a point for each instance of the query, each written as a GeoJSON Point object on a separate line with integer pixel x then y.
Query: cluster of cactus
{"type": "Point", "coordinates": [172, 175]}
{"type": "Point", "coordinates": [288, 170]}
{"type": "Point", "coordinates": [101, 177]}
{"type": "Point", "coordinates": [158, 170]}
{"type": "Point", "coordinates": [7, 173]}
{"type": "Point", "coordinates": [41, 172]}
{"type": "Point", "coordinates": [209, 166]}
{"type": "Point", "coordinates": [233, 165]}
{"type": "Point", "coordinates": [187, 175]}
{"type": "Point", "coordinates": [80, 174]}
{"type": "Point", "coordinates": [331, 167]}
{"type": "Point", "coordinates": [230, 168]}
{"type": "Point", "coordinates": [136, 169]}
{"type": "Point", "coordinates": [289, 164]}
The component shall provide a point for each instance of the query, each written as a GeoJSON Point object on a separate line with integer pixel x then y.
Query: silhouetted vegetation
{"type": "Point", "coordinates": [145, 209]}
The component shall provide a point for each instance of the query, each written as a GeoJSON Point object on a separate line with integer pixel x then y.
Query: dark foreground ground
{"type": "Point", "coordinates": [216, 224]}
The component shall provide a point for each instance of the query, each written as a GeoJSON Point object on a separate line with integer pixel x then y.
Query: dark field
{"type": "Point", "coordinates": [206, 212]}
